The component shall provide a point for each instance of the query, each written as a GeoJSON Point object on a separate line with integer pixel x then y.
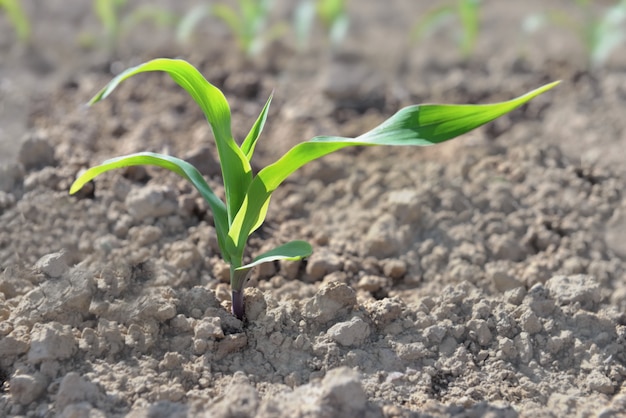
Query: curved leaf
{"type": "Point", "coordinates": [18, 18]}
{"type": "Point", "coordinates": [236, 170]}
{"type": "Point", "coordinates": [419, 125]}
{"type": "Point", "coordinates": [293, 250]}
{"type": "Point", "coordinates": [178, 166]}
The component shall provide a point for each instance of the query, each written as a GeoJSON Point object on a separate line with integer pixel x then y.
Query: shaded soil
{"type": "Point", "coordinates": [485, 276]}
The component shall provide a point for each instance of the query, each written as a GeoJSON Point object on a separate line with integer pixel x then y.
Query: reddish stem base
{"type": "Point", "coordinates": [238, 306]}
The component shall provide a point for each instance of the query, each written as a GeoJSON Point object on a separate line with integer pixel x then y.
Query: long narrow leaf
{"type": "Point", "coordinates": [293, 250]}
{"type": "Point", "coordinates": [469, 16]}
{"type": "Point", "coordinates": [229, 16]}
{"type": "Point", "coordinates": [178, 166]}
{"type": "Point", "coordinates": [247, 147]}
{"type": "Point", "coordinates": [17, 17]}
{"type": "Point", "coordinates": [236, 170]}
{"type": "Point", "coordinates": [419, 125]}
{"type": "Point", "coordinates": [107, 13]}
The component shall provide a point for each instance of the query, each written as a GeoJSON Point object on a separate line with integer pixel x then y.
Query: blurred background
{"type": "Point", "coordinates": [402, 41]}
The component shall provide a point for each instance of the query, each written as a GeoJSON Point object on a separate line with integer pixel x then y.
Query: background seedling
{"type": "Point", "coordinates": [247, 195]}
{"type": "Point", "coordinates": [117, 21]}
{"type": "Point", "coordinates": [331, 13]}
{"type": "Point", "coordinates": [17, 17]}
{"type": "Point", "coordinates": [600, 36]}
{"type": "Point", "coordinates": [467, 14]}
{"type": "Point", "coordinates": [248, 22]}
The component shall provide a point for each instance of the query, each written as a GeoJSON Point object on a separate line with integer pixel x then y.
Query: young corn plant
{"type": "Point", "coordinates": [17, 17]}
{"type": "Point", "coordinates": [248, 22]}
{"type": "Point", "coordinates": [600, 35]}
{"type": "Point", "coordinates": [331, 13]}
{"type": "Point", "coordinates": [467, 12]}
{"type": "Point", "coordinates": [247, 195]}
{"type": "Point", "coordinates": [117, 20]}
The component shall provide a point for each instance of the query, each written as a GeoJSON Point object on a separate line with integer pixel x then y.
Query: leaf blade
{"type": "Point", "coordinates": [293, 250]}
{"type": "Point", "coordinates": [435, 124]}
{"type": "Point", "coordinates": [176, 165]}
{"type": "Point", "coordinates": [236, 170]}
{"type": "Point", "coordinates": [247, 147]}
{"type": "Point", "coordinates": [18, 18]}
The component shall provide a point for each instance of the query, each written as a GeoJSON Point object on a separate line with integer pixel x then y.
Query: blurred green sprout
{"type": "Point", "coordinates": [18, 18]}
{"type": "Point", "coordinates": [600, 36]}
{"type": "Point", "coordinates": [117, 20]}
{"type": "Point", "coordinates": [466, 14]}
{"type": "Point", "coordinates": [332, 14]}
{"type": "Point", "coordinates": [247, 194]}
{"type": "Point", "coordinates": [249, 22]}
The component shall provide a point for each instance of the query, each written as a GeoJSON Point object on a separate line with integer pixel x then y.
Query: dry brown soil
{"type": "Point", "coordinates": [484, 277]}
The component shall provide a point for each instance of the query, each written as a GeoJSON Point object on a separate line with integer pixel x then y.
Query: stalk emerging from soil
{"type": "Point", "coordinates": [248, 194]}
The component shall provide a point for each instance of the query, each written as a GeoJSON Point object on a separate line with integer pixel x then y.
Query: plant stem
{"type": "Point", "coordinates": [238, 306]}
{"type": "Point", "coordinates": [237, 283]}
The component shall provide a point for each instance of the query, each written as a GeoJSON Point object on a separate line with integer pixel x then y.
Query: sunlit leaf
{"type": "Point", "coordinates": [419, 125]}
{"type": "Point", "coordinates": [247, 147]}
{"type": "Point", "coordinates": [247, 198]}
{"type": "Point", "coordinates": [236, 169]}
{"type": "Point", "coordinates": [293, 250]}
{"type": "Point", "coordinates": [178, 166]}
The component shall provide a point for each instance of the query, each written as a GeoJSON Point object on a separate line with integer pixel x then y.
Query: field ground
{"type": "Point", "coordinates": [482, 277]}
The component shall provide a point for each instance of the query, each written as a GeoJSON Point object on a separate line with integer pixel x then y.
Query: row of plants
{"type": "Point", "coordinates": [254, 24]}
{"type": "Point", "coordinates": [249, 21]}
{"type": "Point", "coordinates": [600, 31]}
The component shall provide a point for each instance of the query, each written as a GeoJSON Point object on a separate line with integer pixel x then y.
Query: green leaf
{"type": "Point", "coordinates": [107, 11]}
{"type": "Point", "coordinates": [236, 24]}
{"type": "Point", "coordinates": [148, 13]}
{"type": "Point", "coordinates": [229, 16]}
{"type": "Point", "coordinates": [178, 166]}
{"type": "Point", "coordinates": [250, 142]}
{"type": "Point", "coordinates": [338, 30]}
{"type": "Point", "coordinates": [419, 125]}
{"type": "Point", "coordinates": [293, 250]}
{"type": "Point", "coordinates": [190, 21]}
{"type": "Point", "coordinates": [330, 11]}
{"type": "Point", "coordinates": [247, 22]}
{"type": "Point", "coordinates": [607, 34]}
{"type": "Point", "coordinates": [469, 17]}
{"type": "Point", "coordinates": [17, 17]}
{"type": "Point", "coordinates": [431, 21]}
{"type": "Point", "coordinates": [236, 170]}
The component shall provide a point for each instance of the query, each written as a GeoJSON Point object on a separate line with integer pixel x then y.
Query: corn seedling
{"type": "Point", "coordinates": [247, 195]}
{"type": "Point", "coordinates": [17, 17]}
{"type": "Point", "coordinates": [331, 13]}
{"type": "Point", "coordinates": [600, 36]}
{"type": "Point", "coordinates": [248, 22]}
{"type": "Point", "coordinates": [466, 12]}
{"type": "Point", "coordinates": [117, 21]}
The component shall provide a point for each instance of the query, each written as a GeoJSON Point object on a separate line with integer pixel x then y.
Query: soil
{"type": "Point", "coordinates": [482, 277]}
